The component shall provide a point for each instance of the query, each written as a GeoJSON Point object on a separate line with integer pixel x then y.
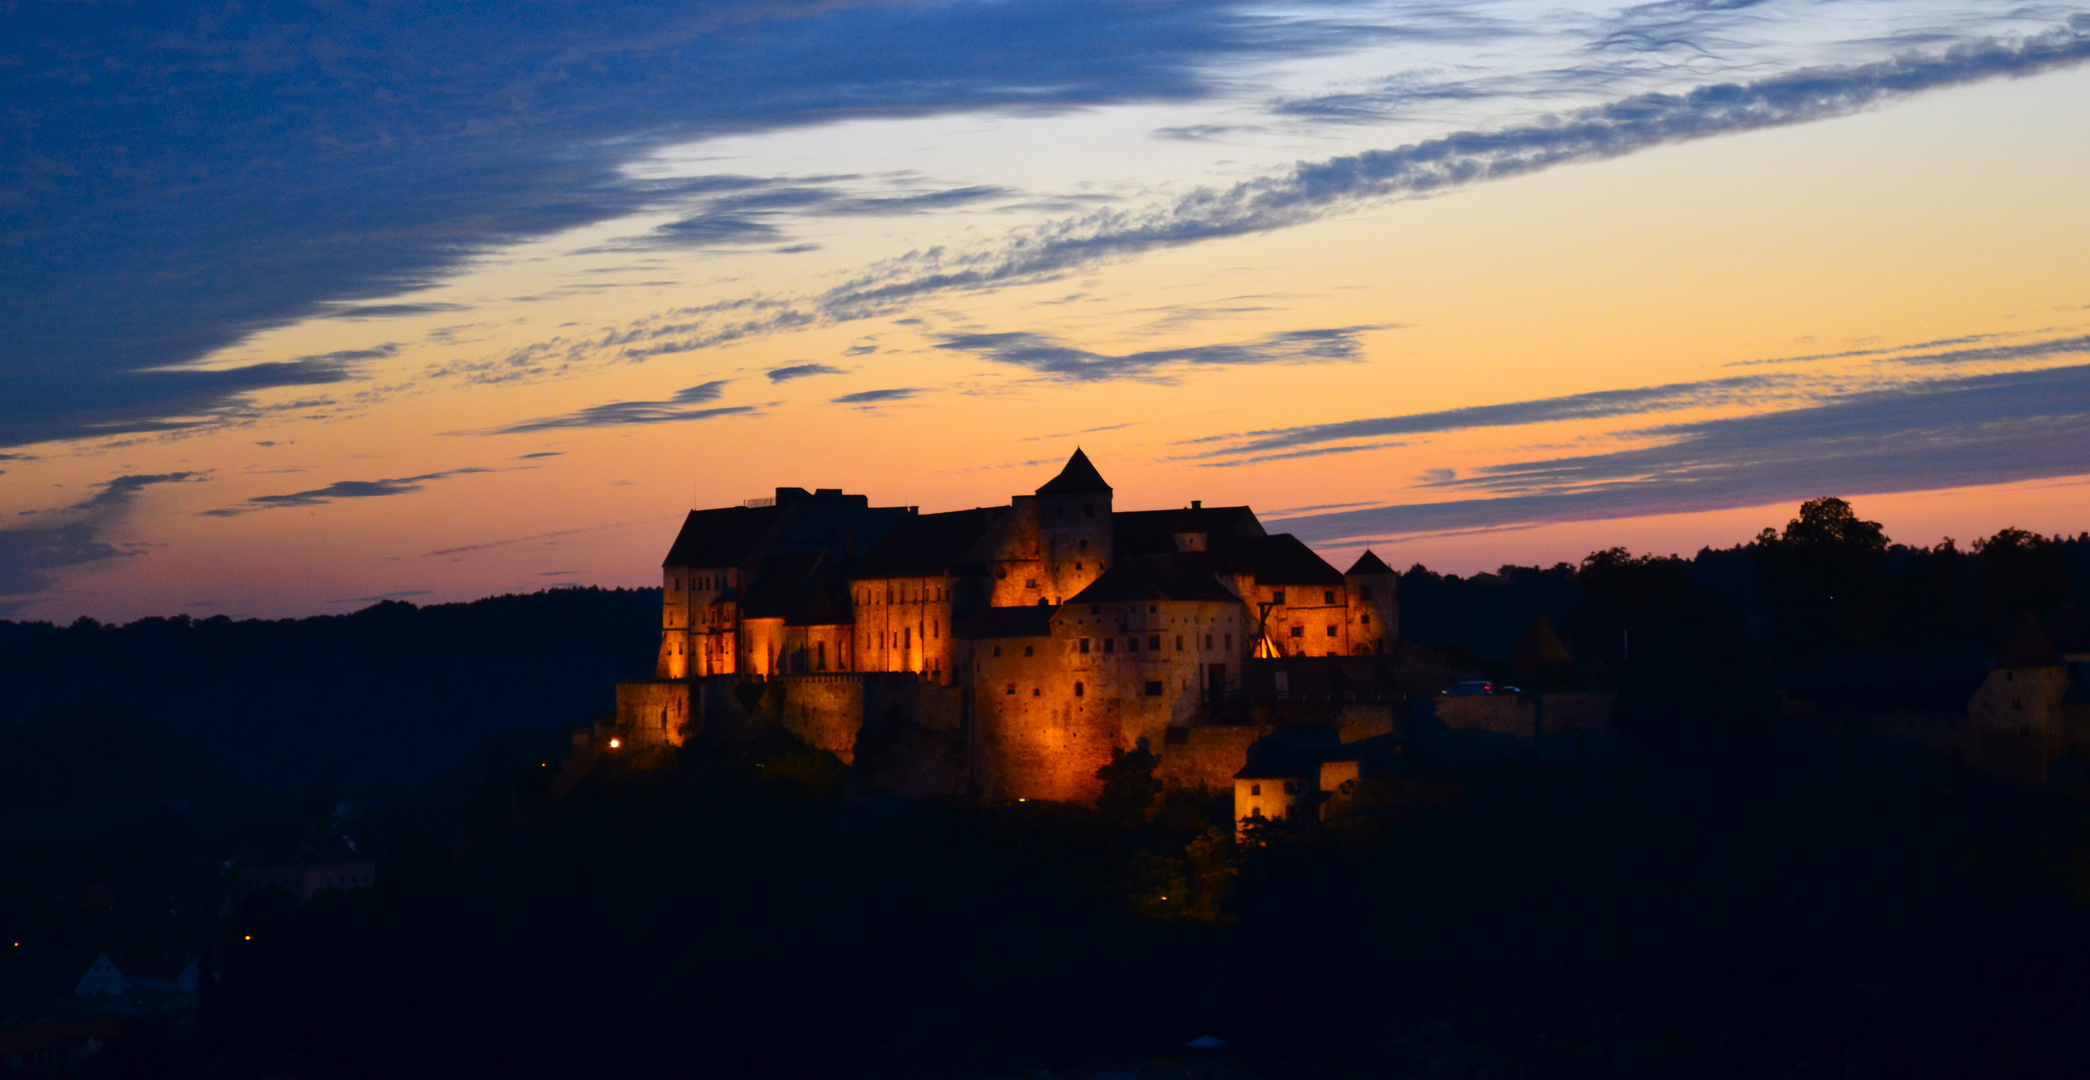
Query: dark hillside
{"type": "Point", "coordinates": [98, 722]}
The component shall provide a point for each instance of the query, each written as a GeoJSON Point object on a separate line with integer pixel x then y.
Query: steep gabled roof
{"type": "Point", "coordinates": [1153, 532]}
{"type": "Point", "coordinates": [721, 537]}
{"type": "Point", "coordinates": [1284, 560]}
{"type": "Point", "coordinates": [1079, 476]}
{"type": "Point", "coordinates": [1008, 622]}
{"type": "Point", "coordinates": [1155, 577]}
{"type": "Point", "coordinates": [826, 603]}
{"type": "Point", "coordinates": [1368, 563]}
{"type": "Point", "coordinates": [780, 582]}
{"type": "Point", "coordinates": [923, 545]}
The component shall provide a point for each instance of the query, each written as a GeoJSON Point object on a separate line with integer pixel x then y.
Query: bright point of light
{"type": "Point", "coordinates": [615, 743]}
{"type": "Point", "coordinates": [250, 937]}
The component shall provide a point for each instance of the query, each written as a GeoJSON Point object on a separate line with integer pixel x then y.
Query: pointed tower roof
{"type": "Point", "coordinates": [1368, 563]}
{"type": "Point", "coordinates": [2027, 646]}
{"type": "Point", "coordinates": [1540, 650]}
{"type": "Point", "coordinates": [1079, 476]}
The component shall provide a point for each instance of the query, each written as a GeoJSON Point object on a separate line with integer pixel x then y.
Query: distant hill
{"type": "Point", "coordinates": [101, 721]}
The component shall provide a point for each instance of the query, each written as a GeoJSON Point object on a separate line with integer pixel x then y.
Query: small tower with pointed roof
{"type": "Point", "coordinates": [1375, 611]}
{"type": "Point", "coordinates": [1074, 534]}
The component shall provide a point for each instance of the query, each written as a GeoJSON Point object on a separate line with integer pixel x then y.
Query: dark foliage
{"type": "Point", "coordinates": [102, 722]}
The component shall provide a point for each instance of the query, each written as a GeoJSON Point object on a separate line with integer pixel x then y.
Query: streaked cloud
{"type": "Point", "coordinates": [1051, 358]}
{"type": "Point", "coordinates": [802, 371]}
{"type": "Point", "coordinates": [875, 397]}
{"type": "Point", "coordinates": [683, 406]}
{"type": "Point", "coordinates": [33, 555]}
{"type": "Point", "coordinates": [342, 489]}
{"type": "Point", "coordinates": [1311, 190]}
{"type": "Point", "coordinates": [1941, 433]}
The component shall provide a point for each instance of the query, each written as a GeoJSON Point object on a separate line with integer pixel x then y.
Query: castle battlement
{"type": "Point", "coordinates": [1036, 638]}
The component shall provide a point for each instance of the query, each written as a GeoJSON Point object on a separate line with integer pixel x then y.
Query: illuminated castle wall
{"type": "Point", "coordinates": [1063, 627]}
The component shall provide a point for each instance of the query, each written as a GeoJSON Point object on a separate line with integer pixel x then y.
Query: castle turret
{"type": "Point", "coordinates": [1375, 612]}
{"type": "Point", "coordinates": [1074, 535]}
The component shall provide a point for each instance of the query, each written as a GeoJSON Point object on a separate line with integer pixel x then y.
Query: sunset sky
{"type": "Point", "coordinates": [307, 305]}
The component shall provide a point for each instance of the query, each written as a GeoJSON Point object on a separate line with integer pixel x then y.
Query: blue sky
{"type": "Point", "coordinates": [383, 280]}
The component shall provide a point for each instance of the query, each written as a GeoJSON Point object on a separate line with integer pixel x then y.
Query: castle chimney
{"type": "Point", "coordinates": [1197, 504]}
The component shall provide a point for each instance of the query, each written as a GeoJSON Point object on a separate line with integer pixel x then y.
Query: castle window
{"type": "Point", "coordinates": [1027, 650]}
{"type": "Point", "coordinates": [1084, 645]}
{"type": "Point", "coordinates": [1255, 789]}
{"type": "Point", "coordinates": [1153, 688]}
{"type": "Point", "coordinates": [1298, 631]}
{"type": "Point", "coordinates": [1208, 641]}
{"type": "Point", "coordinates": [1077, 566]}
{"type": "Point", "coordinates": [1179, 643]}
{"type": "Point", "coordinates": [935, 628]}
{"type": "Point", "coordinates": [1277, 597]}
{"type": "Point", "coordinates": [1331, 631]}
{"type": "Point", "coordinates": [1153, 609]}
{"type": "Point", "coordinates": [1036, 692]}
{"type": "Point", "coordinates": [997, 650]}
{"type": "Point", "coordinates": [822, 661]}
{"type": "Point", "coordinates": [1030, 583]}
{"type": "Point", "coordinates": [1132, 644]}
{"type": "Point", "coordinates": [1154, 642]}
{"type": "Point", "coordinates": [1364, 593]}
{"type": "Point", "coordinates": [1001, 572]}
{"type": "Point", "coordinates": [1327, 596]}
{"type": "Point", "coordinates": [1077, 689]}
{"type": "Point", "coordinates": [1365, 618]}
{"type": "Point", "coordinates": [1010, 690]}
{"type": "Point", "coordinates": [908, 634]}
{"type": "Point", "coordinates": [1110, 644]}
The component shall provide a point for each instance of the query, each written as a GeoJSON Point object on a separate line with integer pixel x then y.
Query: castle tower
{"type": "Point", "coordinates": [1375, 611]}
{"type": "Point", "coordinates": [1074, 534]}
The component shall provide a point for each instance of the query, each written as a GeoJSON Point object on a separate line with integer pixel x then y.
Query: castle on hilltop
{"type": "Point", "coordinates": [1007, 651]}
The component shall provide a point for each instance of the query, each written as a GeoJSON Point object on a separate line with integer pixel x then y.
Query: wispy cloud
{"type": "Point", "coordinates": [683, 406]}
{"type": "Point", "coordinates": [1054, 359]}
{"type": "Point", "coordinates": [1312, 190]}
{"type": "Point", "coordinates": [33, 555]}
{"type": "Point", "coordinates": [341, 489]}
{"type": "Point", "coordinates": [801, 371]}
{"type": "Point", "coordinates": [1984, 429]}
{"type": "Point", "coordinates": [874, 397]}
{"type": "Point", "coordinates": [1597, 404]}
